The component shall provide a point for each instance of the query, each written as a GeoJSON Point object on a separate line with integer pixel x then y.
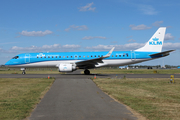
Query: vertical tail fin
{"type": "Point", "coordinates": [156, 42]}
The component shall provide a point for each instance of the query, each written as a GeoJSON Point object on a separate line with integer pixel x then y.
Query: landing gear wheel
{"type": "Point", "coordinates": [23, 72]}
{"type": "Point", "coordinates": [86, 72]}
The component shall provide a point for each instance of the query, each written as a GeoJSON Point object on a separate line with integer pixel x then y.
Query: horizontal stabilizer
{"type": "Point", "coordinates": [165, 53]}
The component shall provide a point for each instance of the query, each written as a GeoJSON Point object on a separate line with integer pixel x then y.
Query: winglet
{"type": "Point", "coordinates": [109, 54]}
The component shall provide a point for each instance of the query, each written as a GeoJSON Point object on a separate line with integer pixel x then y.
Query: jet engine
{"type": "Point", "coordinates": [66, 68]}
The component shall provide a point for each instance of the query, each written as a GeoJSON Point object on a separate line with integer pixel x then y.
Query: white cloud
{"type": "Point", "coordinates": [8, 43]}
{"type": "Point", "coordinates": [71, 46]}
{"type": "Point", "coordinates": [129, 36]}
{"type": "Point", "coordinates": [88, 7]}
{"type": "Point", "coordinates": [171, 46]}
{"type": "Point", "coordinates": [131, 40]}
{"type": "Point", "coordinates": [6, 51]}
{"type": "Point", "coordinates": [90, 37]}
{"type": "Point", "coordinates": [114, 42]}
{"type": "Point", "coordinates": [139, 27]}
{"type": "Point", "coordinates": [147, 9]}
{"type": "Point", "coordinates": [18, 36]}
{"type": "Point", "coordinates": [67, 47]}
{"type": "Point", "coordinates": [82, 27]}
{"type": "Point", "coordinates": [51, 48]}
{"type": "Point", "coordinates": [168, 36]}
{"type": "Point", "coordinates": [35, 33]}
{"type": "Point", "coordinates": [67, 29]}
{"type": "Point", "coordinates": [130, 46]}
{"type": "Point", "coordinates": [157, 23]}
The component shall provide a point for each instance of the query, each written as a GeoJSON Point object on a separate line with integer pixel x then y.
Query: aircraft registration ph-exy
{"type": "Point", "coordinates": [71, 61]}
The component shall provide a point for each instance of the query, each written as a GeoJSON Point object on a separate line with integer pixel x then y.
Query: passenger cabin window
{"type": "Point", "coordinates": [67, 56]}
{"type": "Point", "coordinates": [71, 56]}
{"type": "Point", "coordinates": [56, 56]}
{"type": "Point", "coordinates": [79, 56]}
{"type": "Point", "coordinates": [91, 56]}
{"type": "Point", "coordinates": [48, 56]}
{"type": "Point", "coordinates": [112, 55]}
{"type": "Point", "coordinates": [88, 56]}
{"type": "Point", "coordinates": [44, 56]}
{"type": "Point", "coordinates": [84, 56]}
{"type": "Point", "coordinates": [41, 56]}
{"type": "Point", "coordinates": [59, 56]}
{"type": "Point", "coordinates": [52, 56]}
{"type": "Point", "coordinates": [98, 55]}
{"type": "Point", "coordinates": [63, 56]}
{"type": "Point", "coordinates": [95, 56]}
{"type": "Point", "coordinates": [37, 57]}
{"type": "Point", "coordinates": [116, 55]}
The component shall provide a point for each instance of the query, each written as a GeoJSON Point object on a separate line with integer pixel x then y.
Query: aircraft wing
{"type": "Point", "coordinates": [95, 61]}
{"type": "Point", "coordinates": [165, 53]}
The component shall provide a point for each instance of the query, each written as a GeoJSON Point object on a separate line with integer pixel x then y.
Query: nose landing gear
{"type": "Point", "coordinates": [86, 72]}
{"type": "Point", "coordinates": [23, 71]}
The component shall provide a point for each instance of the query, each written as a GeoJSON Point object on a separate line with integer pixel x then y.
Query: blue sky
{"type": "Point", "coordinates": [87, 25]}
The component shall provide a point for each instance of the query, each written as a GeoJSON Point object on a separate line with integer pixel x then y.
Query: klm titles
{"type": "Point", "coordinates": [155, 42]}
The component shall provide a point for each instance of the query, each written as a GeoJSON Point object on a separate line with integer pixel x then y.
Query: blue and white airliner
{"type": "Point", "coordinates": [71, 61]}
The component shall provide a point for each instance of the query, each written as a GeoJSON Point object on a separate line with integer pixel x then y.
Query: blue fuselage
{"type": "Point", "coordinates": [54, 58]}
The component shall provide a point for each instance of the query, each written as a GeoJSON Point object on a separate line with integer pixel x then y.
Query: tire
{"type": "Point", "coordinates": [86, 72]}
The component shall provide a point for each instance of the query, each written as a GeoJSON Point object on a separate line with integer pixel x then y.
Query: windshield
{"type": "Point", "coordinates": [16, 57]}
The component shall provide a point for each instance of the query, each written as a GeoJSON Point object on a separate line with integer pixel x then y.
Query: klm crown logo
{"type": "Point", "coordinates": [155, 41]}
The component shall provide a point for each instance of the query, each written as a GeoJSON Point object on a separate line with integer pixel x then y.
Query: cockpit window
{"type": "Point", "coordinates": [16, 57]}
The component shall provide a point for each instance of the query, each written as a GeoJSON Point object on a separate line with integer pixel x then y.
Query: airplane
{"type": "Point", "coordinates": [71, 61]}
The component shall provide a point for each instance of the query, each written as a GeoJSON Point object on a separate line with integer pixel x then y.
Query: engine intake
{"type": "Point", "coordinates": [66, 68]}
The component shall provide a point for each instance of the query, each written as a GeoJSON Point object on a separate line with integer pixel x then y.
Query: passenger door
{"type": "Point", "coordinates": [27, 58]}
{"type": "Point", "coordinates": [133, 56]}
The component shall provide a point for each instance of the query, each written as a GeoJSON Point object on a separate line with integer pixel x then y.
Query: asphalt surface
{"type": "Point", "coordinates": [79, 99]}
{"type": "Point", "coordinates": [75, 96]}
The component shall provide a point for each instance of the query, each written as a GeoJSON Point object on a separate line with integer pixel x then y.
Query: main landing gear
{"type": "Point", "coordinates": [23, 71]}
{"type": "Point", "coordinates": [86, 72]}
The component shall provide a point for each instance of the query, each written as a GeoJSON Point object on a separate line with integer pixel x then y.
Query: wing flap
{"type": "Point", "coordinates": [94, 61]}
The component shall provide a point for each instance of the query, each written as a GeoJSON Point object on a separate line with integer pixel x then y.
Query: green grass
{"type": "Point", "coordinates": [18, 96]}
{"type": "Point", "coordinates": [95, 71]}
{"type": "Point", "coordinates": [30, 72]}
{"type": "Point", "coordinates": [154, 98]}
{"type": "Point", "coordinates": [135, 71]}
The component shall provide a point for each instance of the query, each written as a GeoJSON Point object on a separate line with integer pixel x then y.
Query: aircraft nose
{"type": "Point", "coordinates": [7, 63]}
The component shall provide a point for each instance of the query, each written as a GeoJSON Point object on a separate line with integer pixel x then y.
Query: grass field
{"type": "Point", "coordinates": [30, 72]}
{"type": "Point", "coordinates": [135, 71]}
{"type": "Point", "coordinates": [97, 71]}
{"type": "Point", "coordinates": [18, 96]}
{"type": "Point", "coordinates": [155, 99]}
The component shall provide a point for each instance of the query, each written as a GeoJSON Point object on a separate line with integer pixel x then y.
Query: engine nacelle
{"type": "Point", "coordinates": [66, 68]}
